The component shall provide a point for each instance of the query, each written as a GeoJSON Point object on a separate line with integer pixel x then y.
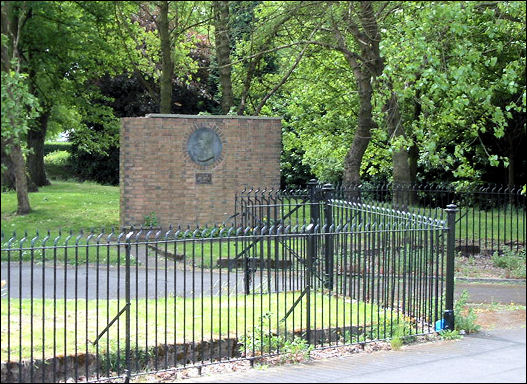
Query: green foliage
{"type": "Point", "coordinates": [450, 335]}
{"type": "Point", "coordinates": [56, 146]}
{"type": "Point", "coordinates": [72, 44]}
{"type": "Point", "coordinates": [151, 220]}
{"type": "Point", "coordinates": [464, 316]}
{"type": "Point", "coordinates": [19, 106]}
{"type": "Point", "coordinates": [513, 262]}
{"type": "Point", "coordinates": [459, 73]}
{"type": "Point", "coordinates": [458, 70]}
{"type": "Point", "coordinates": [401, 334]}
{"type": "Point", "coordinates": [295, 349]}
{"type": "Point", "coordinates": [58, 165]}
{"type": "Point", "coordinates": [396, 343]}
{"type": "Point", "coordinates": [58, 158]}
{"type": "Point", "coordinates": [92, 164]}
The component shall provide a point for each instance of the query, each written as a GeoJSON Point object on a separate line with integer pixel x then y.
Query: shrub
{"type": "Point", "coordinates": [151, 220]}
{"type": "Point", "coordinates": [58, 164]}
{"type": "Point", "coordinates": [57, 158]}
{"type": "Point", "coordinates": [101, 168]}
{"type": "Point", "coordinates": [56, 146]}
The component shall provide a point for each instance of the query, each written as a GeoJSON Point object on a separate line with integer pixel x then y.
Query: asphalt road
{"type": "Point", "coordinates": [90, 282]}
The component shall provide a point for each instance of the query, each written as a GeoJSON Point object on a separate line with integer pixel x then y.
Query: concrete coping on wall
{"type": "Point", "coordinates": [167, 115]}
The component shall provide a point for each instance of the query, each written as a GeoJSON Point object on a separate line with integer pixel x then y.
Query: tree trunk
{"type": "Point", "coordinates": [10, 28]}
{"type": "Point", "coordinates": [19, 171]}
{"type": "Point", "coordinates": [35, 159]}
{"type": "Point", "coordinates": [413, 152]}
{"type": "Point", "coordinates": [362, 136]}
{"type": "Point", "coordinates": [8, 179]}
{"type": "Point", "coordinates": [247, 84]}
{"type": "Point", "coordinates": [413, 156]}
{"type": "Point", "coordinates": [402, 195]}
{"type": "Point", "coordinates": [223, 51]}
{"type": "Point", "coordinates": [167, 66]}
{"type": "Point", "coordinates": [365, 69]}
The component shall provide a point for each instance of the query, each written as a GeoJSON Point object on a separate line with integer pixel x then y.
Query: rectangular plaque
{"type": "Point", "coordinates": [203, 178]}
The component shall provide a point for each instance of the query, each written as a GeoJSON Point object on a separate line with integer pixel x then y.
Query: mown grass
{"type": "Point", "coordinates": [65, 206]}
{"type": "Point", "coordinates": [65, 327]}
{"type": "Point", "coordinates": [61, 208]}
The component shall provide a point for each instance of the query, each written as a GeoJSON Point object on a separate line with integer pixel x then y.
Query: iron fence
{"type": "Point", "coordinates": [310, 268]}
{"type": "Point", "coordinates": [490, 219]}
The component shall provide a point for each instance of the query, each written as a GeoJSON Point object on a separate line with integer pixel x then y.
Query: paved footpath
{"type": "Point", "coordinates": [496, 356]}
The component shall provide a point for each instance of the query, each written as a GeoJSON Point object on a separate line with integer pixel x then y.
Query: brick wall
{"type": "Point", "coordinates": [157, 174]}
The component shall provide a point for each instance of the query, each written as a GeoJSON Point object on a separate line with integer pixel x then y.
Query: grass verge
{"type": "Point", "coordinates": [45, 328]}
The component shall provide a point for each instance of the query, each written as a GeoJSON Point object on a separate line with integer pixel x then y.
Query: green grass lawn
{"type": "Point", "coordinates": [64, 326]}
{"type": "Point", "coordinates": [63, 205]}
{"type": "Point", "coordinates": [503, 224]}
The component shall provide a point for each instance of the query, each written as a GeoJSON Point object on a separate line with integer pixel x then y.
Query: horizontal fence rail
{"type": "Point", "coordinates": [312, 268]}
{"type": "Point", "coordinates": [490, 219]}
{"type": "Point", "coordinates": [198, 298]}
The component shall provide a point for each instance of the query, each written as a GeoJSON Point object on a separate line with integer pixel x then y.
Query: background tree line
{"type": "Point", "coordinates": [369, 91]}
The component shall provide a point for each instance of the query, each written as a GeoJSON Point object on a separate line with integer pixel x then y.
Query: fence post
{"type": "Point", "coordinates": [128, 305]}
{"type": "Point", "coordinates": [314, 206]}
{"type": "Point", "coordinates": [451, 210]}
{"type": "Point", "coordinates": [328, 246]}
{"type": "Point", "coordinates": [310, 230]}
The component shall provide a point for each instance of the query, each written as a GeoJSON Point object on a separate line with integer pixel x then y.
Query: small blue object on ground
{"type": "Point", "coordinates": [440, 325]}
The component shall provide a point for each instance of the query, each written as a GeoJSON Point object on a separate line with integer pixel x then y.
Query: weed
{"type": "Point", "coordinates": [450, 335]}
{"type": "Point", "coordinates": [264, 341]}
{"type": "Point", "coordinates": [396, 343]}
{"type": "Point", "coordinates": [296, 350]}
{"type": "Point", "coordinates": [513, 262]}
{"type": "Point", "coordinates": [464, 316]}
{"type": "Point", "coordinates": [151, 220]}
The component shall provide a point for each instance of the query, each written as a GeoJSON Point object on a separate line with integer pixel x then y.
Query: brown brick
{"type": "Point", "coordinates": [157, 175]}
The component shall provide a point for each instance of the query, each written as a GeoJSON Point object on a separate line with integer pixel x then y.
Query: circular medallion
{"type": "Point", "coordinates": [204, 146]}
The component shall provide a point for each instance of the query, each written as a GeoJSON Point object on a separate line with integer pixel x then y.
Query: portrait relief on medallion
{"type": "Point", "coordinates": [204, 146]}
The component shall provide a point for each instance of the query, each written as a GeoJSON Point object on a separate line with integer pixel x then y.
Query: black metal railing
{"type": "Point", "coordinates": [308, 267]}
{"type": "Point", "coordinates": [490, 219]}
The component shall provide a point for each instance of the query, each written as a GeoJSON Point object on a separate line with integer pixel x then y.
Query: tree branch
{"type": "Point", "coordinates": [282, 81]}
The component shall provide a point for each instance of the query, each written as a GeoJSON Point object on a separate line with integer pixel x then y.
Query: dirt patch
{"type": "Point", "coordinates": [503, 319]}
